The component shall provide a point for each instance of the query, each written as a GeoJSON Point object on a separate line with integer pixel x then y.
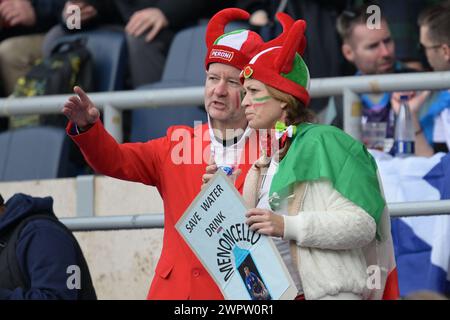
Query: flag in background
{"type": "Point", "coordinates": [421, 244]}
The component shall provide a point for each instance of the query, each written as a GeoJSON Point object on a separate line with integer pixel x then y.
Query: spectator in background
{"type": "Point", "coordinates": [39, 257]}
{"type": "Point", "coordinates": [149, 26]}
{"type": "Point", "coordinates": [22, 27]}
{"type": "Point", "coordinates": [372, 51]}
{"type": "Point", "coordinates": [432, 122]}
{"type": "Point", "coordinates": [402, 16]}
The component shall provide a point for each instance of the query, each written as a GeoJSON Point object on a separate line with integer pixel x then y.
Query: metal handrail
{"type": "Point", "coordinates": [320, 87]}
{"type": "Point", "coordinates": [149, 221]}
{"type": "Point", "coordinates": [112, 102]}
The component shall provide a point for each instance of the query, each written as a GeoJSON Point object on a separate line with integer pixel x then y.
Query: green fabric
{"type": "Point", "coordinates": [299, 73]}
{"type": "Point", "coordinates": [320, 151]}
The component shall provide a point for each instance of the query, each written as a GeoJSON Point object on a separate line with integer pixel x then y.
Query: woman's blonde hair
{"type": "Point", "coordinates": [296, 111]}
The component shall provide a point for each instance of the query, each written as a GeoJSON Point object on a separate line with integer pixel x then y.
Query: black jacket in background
{"type": "Point", "coordinates": [179, 13]}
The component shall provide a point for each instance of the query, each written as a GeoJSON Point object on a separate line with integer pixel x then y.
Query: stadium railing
{"type": "Point", "coordinates": [148, 221]}
{"type": "Point", "coordinates": [112, 104]}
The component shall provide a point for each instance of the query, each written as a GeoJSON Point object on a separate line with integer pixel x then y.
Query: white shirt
{"type": "Point", "coordinates": [230, 155]}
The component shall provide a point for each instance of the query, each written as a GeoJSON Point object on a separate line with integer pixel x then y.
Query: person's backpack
{"type": "Point", "coordinates": [70, 63]}
{"type": "Point", "coordinates": [12, 277]}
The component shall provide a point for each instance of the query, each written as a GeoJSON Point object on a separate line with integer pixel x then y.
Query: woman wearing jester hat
{"type": "Point", "coordinates": [319, 195]}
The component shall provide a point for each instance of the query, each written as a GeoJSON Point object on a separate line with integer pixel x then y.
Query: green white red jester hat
{"type": "Point", "coordinates": [233, 48]}
{"type": "Point", "coordinates": [280, 65]}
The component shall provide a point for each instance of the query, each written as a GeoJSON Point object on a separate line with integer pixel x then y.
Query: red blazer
{"type": "Point", "coordinates": [178, 274]}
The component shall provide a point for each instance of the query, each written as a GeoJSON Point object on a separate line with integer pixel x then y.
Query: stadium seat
{"type": "Point", "coordinates": [108, 49]}
{"type": "Point", "coordinates": [33, 153]}
{"type": "Point", "coordinates": [184, 68]}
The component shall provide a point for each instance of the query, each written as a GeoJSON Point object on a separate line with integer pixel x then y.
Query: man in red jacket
{"type": "Point", "coordinates": [175, 163]}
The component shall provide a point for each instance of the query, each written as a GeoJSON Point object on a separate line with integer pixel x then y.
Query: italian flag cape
{"type": "Point", "coordinates": [320, 151]}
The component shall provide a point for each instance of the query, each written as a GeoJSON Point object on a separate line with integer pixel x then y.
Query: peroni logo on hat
{"type": "Point", "coordinates": [221, 54]}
